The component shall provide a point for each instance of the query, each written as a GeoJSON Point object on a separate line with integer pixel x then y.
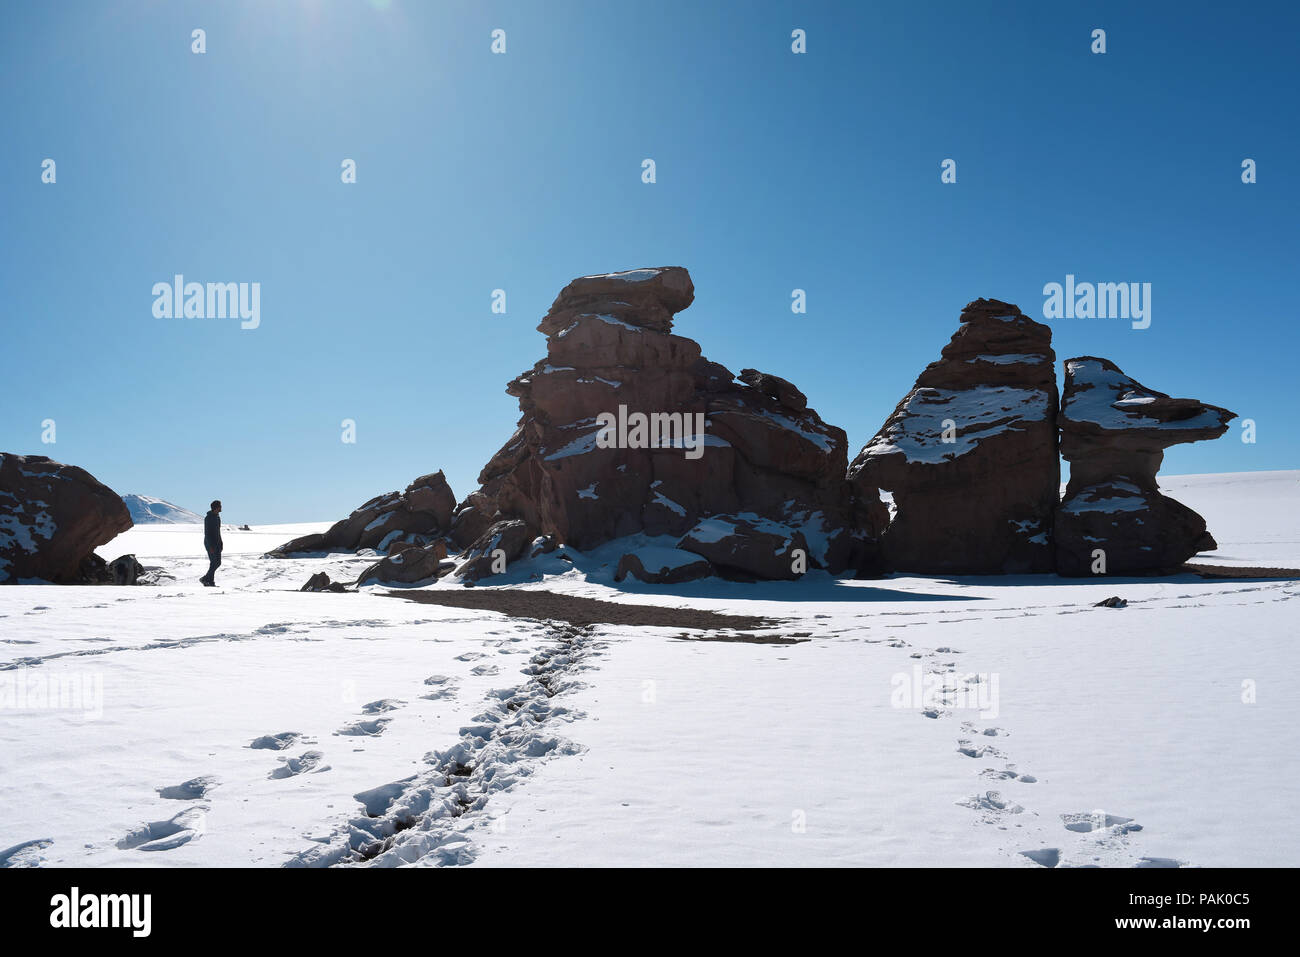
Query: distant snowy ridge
{"type": "Point", "coordinates": [152, 511]}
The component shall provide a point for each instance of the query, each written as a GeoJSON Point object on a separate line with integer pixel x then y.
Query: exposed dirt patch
{"type": "Point", "coordinates": [744, 638]}
{"type": "Point", "coordinates": [521, 603]}
{"type": "Point", "coordinates": [1232, 571]}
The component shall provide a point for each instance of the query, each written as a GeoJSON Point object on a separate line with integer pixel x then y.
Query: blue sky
{"type": "Point", "coordinates": [521, 171]}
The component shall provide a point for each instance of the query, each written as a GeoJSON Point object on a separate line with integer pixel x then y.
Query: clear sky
{"type": "Point", "coordinates": [520, 171]}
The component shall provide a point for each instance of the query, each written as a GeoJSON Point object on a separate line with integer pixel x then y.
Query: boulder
{"type": "Point", "coordinates": [321, 582]}
{"type": "Point", "coordinates": [662, 566]}
{"type": "Point", "coordinates": [627, 429]}
{"type": "Point", "coordinates": [52, 518]}
{"type": "Point", "coordinates": [419, 514]}
{"type": "Point", "coordinates": [504, 541]}
{"type": "Point", "coordinates": [747, 546]}
{"type": "Point", "coordinates": [970, 453]}
{"type": "Point", "coordinates": [407, 566]}
{"type": "Point", "coordinates": [125, 570]}
{"type": "Point", "coordinates": [1114, 430]}
{"type": "Point", "coordinates": [774, 387]}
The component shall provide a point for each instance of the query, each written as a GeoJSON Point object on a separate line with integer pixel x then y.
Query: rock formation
{"type": "Point", "coordinates": [52, 517]}
{"type": "Point", "coordinates": [408, 563]}
{"type": "Point", "coordinates": [418, 515]}
{"type": "Point", "coordinates": [627, 429]}
{"type": "Point", "coordinates": [970, 453]}
{"type": "Point", "coordinates": [1114, 431]}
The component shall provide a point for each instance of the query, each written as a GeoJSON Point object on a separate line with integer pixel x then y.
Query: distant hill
{"type": "Point", "coordinates": [154, 511]}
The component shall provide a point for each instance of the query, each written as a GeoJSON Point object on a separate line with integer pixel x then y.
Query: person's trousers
{"type": "Point", "coordinates": [214, 562]}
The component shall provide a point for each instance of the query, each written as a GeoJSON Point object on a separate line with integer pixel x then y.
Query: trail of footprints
{"type": "Point", "coordinates": [188, 824]}
{"type": "Point", "coordinates": [1107, 841]}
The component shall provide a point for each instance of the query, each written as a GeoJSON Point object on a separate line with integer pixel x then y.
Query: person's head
{"type": "Point", "coordinates": [216, 505]}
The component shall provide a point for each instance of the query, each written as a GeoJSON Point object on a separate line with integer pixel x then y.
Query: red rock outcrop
{"type": "Point", "coordinates": [418, 515]}
{"type": "Point", "coordinates": [970, 453]}
{"type": "Point", "coordinates": [1114, 431]}
{"type": "Point", "coordinates": [52, 518]}
{"type": "Point", "coordinates": [628, 429]}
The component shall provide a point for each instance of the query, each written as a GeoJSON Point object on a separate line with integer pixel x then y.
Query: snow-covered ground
{"type": "Point", "coordinates": [1161, 731]}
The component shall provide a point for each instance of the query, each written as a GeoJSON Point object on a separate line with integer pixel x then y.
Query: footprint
{"type": "Point", "coordinates": [1160, 862]}
{"type": "Point", "coordinates": [191, 790]}
{"type": "Point", "coordinates": [26, 854]}
{"type": "Point", "coordinates": [366, 728]}
{"type": "Point", "coordinates": [484, 670]}
{"type": "Point", "coordinates": [305, 763]}
{"type": "Point", "coordinates": [1047, 856]}
{"type": "Point", "coordinates": [991, 801]}
{"type": "Point", "coordinates": [1097, 821]}
{"type": "Point", "coordinates": [382, 705]}
{"type": "Point", "coordinates": [277, 742]}
{"type": "Point", "coordinates": [444, 687]}
{"type": "Point", "coordinates": [972, 750]}
{"type": "Point", "coordinates": [378, 800]}
{"type": "Point", "coordinates": [165, 835]}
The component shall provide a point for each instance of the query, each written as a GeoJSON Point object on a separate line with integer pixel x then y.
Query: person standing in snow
{"type": "Point", "coordinates": [212, 542]}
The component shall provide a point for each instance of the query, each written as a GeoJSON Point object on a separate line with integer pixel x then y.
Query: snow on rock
{"type": "Point", "coordinates": [52, 518]}
{"type": "Point", "coordinates": [1100, 398]}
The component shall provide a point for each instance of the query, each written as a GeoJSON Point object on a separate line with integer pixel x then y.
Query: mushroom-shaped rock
{"type": "Point", "coordinates": [1114, 430]}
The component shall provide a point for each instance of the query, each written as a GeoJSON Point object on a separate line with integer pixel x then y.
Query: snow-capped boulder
{"type": "Point", "coordinates": [748, 546]}
{"type": "Point", "coordinates": [410, 564]}
{"type": "Point", "coordinates": [1114, 431]}
{"type": "Point", "coordinates": [656, 565]}
{"type": "Point", "coordinates": [154, 511]}
{"type": "Point", "coordinates": [52, 518]}
{"type": "Point", "coordinates": [627, 429]}
{"type": "Point", "coordinates": [419, 514]}
{"type": "Point", "coordinates": [970, 453]}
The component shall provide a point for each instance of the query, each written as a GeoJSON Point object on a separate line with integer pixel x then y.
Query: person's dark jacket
{"type": "Point", "coordinates": [212, 532]}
